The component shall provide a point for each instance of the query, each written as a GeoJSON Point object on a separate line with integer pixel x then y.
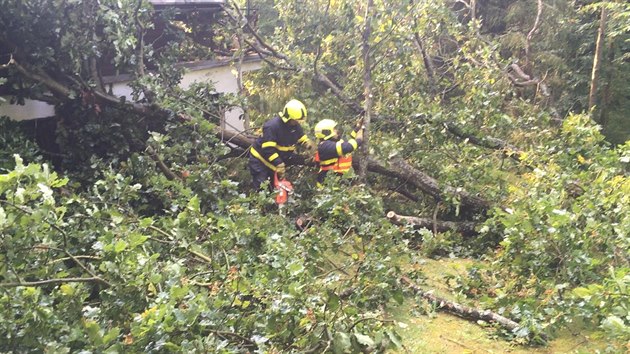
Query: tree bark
{"type": "Point", "coordinates": [426, 59]}
{"type": "Point", "coordinates": [431, 186]}
{"type": "Point", "coordinates": [461, 310]}
{"type": "Point", "coordinates": [170, 175]}
{"type": "Point", "coordinates": [606, 94]}
{"type": "Point", "coordinates": [599, 47]}
{"type": "Point", "coordinates": [531, 34]}
{"type": "Point", "coordinates": [466, 228]}
{"type": "Point", "coordinates": [367, 84]}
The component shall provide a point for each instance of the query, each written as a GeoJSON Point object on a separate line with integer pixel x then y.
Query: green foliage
{"type": "Point", "coordinates": [14, 141]}
{"type": "Point", "coordinates": [565, 227]}
{"type": "Point", "coordinates": [608, 300]}
{"type": "Point", "coordinates": [85, 271]}
{"type": "Point", "coordinates": [153, 245]}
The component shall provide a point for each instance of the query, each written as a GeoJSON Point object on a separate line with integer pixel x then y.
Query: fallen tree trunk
{"type": "Point", "coordinates": [398, 168]}
{"type": "Point", "coordinates": [402, 170]}
{"type": "Point", "coordinates": [466, 228]}
{"type": "Point", "coordinates": [461, 310]}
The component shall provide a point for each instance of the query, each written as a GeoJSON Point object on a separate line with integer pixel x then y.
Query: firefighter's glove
{"type": "Point", "coordinates": [360, 133]}
{"type": "Point", "coordinates": [281, 169]}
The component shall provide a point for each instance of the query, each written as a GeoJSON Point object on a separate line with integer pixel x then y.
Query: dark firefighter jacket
{"type": "Point", "coordinates": [335, 155]}
{"type": "Point", "coordinates": [277, 142]}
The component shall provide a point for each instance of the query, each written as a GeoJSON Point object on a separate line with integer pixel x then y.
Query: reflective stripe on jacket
{"type": "Point", "coordinates": [336, 155]}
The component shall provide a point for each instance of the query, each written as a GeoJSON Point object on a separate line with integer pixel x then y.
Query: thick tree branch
{"type": "Point", "coordinates": [489, 142]}
{"type": "Point", "coordinates": [597, 61]}
{"type": "Point", "coordinates": [367, 93]}
{"type": "Point", "coordinates": [520, 79]}
{"type": "Point", "coordinates": [402, 170]}
{"type": "Point", "coordinates": [531, 34]}
{"type": "Point", "coordinates": [337, 91]}
{"type": "Point", "coordinates": [466, 228]}
{"type": "Point", "coordinates": [428, 62]}
{"type": "Point", "coordinates": [162, 166]}
{"type": "Point", "coordinates": [461, 310]}
{"type": "Point", "coordinates": [43, 78]}
{"type": "Point", "coordinates": [399, 169]}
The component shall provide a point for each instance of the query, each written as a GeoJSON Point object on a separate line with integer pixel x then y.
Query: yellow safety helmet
{"type": "Point", "coordinates": [325, 129]}
{"type": "Point", "coordinates": [294, 109]}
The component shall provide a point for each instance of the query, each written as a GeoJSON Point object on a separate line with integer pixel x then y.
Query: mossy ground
{"type": "Point", "coordinates": [440, 332]}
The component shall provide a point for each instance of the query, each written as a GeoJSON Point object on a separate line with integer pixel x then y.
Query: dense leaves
{"type": "Point", "coordinates": [146, 238]}
{"type": "Point", "coordinates": [85, 271]}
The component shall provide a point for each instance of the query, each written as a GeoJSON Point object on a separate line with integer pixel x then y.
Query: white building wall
{"type": "Point", "coordinates": [30, 110]}
{"type": "Point", "coordinates": [222, 74]}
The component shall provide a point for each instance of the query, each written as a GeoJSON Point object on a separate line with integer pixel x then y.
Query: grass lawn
{"type": "Point", "coordinates": [444, 333]}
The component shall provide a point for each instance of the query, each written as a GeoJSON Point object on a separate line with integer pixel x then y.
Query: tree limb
{"type": "Point", "coordinates": [367, 94]}
{"type": "Point", "coordinates": [597, 61]}
{"type": "Point", "coordinates": [161, 165]}
{"type": "Point", "coordinates": [461, 310]}
{"type": "Point", "coordinates": [44, 79]}
{"type": "Point", "coordinates": [520, 79]}
{"type": "Point", "coordinates": [531, 33]}
{"type": "Point", "coordinates": [428, 63]}
{"type": "Point", "coordinates": [402, 170]}
{"type": "Point", "coordinates": [9, 63]}
{"type": "Point", "coordinates": [466, 228]}
{"type": "Point", "coordinates": [51, 281]}
{"type": "Point", "coordinates": [254, 33]}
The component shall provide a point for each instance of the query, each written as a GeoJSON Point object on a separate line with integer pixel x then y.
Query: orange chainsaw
{"type": "Point", "coordinates": [284, 187]}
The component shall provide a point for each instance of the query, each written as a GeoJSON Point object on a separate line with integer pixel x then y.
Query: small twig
{"type": "Point", "coordinates": [26, 211]}
{"type": "Point", "coordinates": [347, 232]}
{"type": "Point", "coordinates": [236, 335]}
{"type": "Point", "coordinates": [460, 344]}
{"type": "Point", "coordinates": [77, 257]}
{"type": "Point", "coordinates": [585, 340]}
{"type": "Point", "coordinates": [156, 229]}
{"type": "Point", "coordinates": [435, 212]}
{"type": "Point", "coordinates": [11, 61]}
{"type": "Point", "coordinates": [200, 284]}
{"type": "Point", "coordinates": [369, 319]}
{"type": "Point", "coordinates": [202, 256]}
{"type": "Point", "coordinates": [161, 165]}
{"type": "Point", "coordinates": [200, 274]}
{"type": "Point", "coordinates": [336, 267]}
{"type": "Point", "coordinates": [160, 240]}
{"type": "Point", "coordinates": [80, 264]}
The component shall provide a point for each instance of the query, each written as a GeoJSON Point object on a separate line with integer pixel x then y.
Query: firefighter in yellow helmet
{"type": "Point", "coordinates": [333, 153]}
{"type": "Point", "coordinates": [277, 145]}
